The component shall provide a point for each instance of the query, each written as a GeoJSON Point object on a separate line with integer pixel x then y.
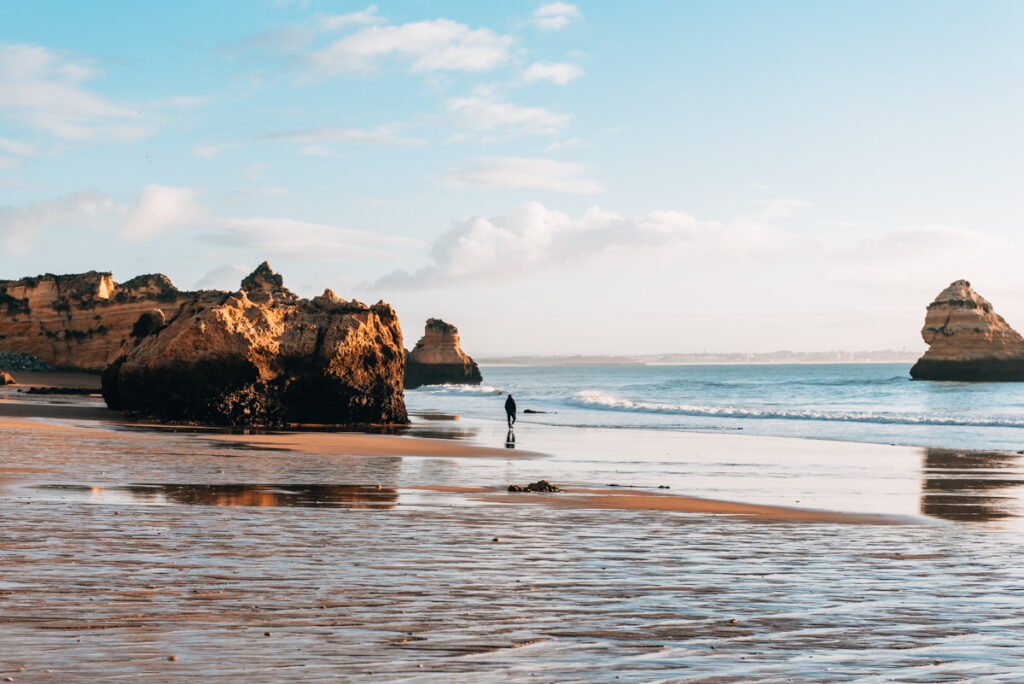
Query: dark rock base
{"type": "Point", "coordinates": [232, 394]}
{"type": "Point", "coordinates": [980, 370]}
{"type": "Point", "coordinates": [419, 374]}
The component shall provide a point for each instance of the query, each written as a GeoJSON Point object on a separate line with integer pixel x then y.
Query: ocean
{"type": "Point", "coordinates": [876, 403]}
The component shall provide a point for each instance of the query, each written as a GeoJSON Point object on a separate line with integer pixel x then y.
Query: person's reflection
{"type": "Point", "coordinates": [510, 439]}
{"type": "Point", "coordinates": [970, 485]}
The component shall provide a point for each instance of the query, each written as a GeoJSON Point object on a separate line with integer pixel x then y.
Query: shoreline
{"type": "Point", "coordinates": [778, 479]}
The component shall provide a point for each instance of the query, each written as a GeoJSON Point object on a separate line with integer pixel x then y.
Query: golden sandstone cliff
{"type": "Point", "coordinates": [79, 321]}
{"type": "Point", "coordinates": [968, 340]}
{"type": "Point", "coordinates": [438, 359]}
{"type": "Point", "coordinates": [262, 356]}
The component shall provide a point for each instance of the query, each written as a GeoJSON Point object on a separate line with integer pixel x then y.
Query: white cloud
{"type": "Point", "coordinates": [556, 16]}
{"type": "Point", "coordinates": [532, 237]}
{"type": "Point", "coordinates": [303, 240]}
{"type": "Point", "coordinates": [312, 139]}
{"type": "Point", "coordinates": [339, 21]}
{"type": "Point", "coordinates": [556, 72]}
{"type": "Point", "coordinates": [19, 225]}
{"type": "Point", "coordinates": [15, 147]}
{"type": "Point", "coordinates": [484, 111]}
{"type": "Point", "coordinates": [526, 173]}
{"type": "Point", "coordinates": [781, 208]}
{"type": "Point", "coordinates": [383, 135]}
{"type": "Point", "coordinates": [209, 150]}
{"type": "Point", "coordinates": [315, 151]}
{"type": "Point", "coordinates": [424, 46]}
{"type": "Point", "coordinates": [42, 89]}
{"type": "Point", "coordinates": [563, 144]}
{"type": "Point", "coordinates": [160, 207]}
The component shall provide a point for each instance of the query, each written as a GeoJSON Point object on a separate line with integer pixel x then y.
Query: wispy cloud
{"type": "Point", "coordinates": [15, 147]}
{"type": "Point", "coordinates": [158, 209]}
{"type": "Point", "coordinates": [422, 46]}
{"type": "Point", "coordinates": [361, 17]}
{"type": "Point", "coordinates": [313, 141]}
{"type": "Point", "coordinates": [781, 208]}
{"type": "Point", "coordinates": [19, 225]}
{"type": "Point", "coordinates": [556, 72]}
{"type": "Point", "coordinates": [303, 240]}
{"type": "Point", "coordinates": [45, 90]}
{"type": "Point", "coordinates": [556, 16]}
{"type": "Point", "coordinates": [382, 135]}
{"type": "Point", "coordinates": [483, 110]}
{"type": "Point", "coordinates": [526, 173]}
{"type": "Point", "coordinates": [563, 144]}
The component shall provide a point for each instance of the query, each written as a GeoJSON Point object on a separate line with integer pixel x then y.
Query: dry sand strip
{"type": "Point", "coordinates": [362, 444]}
{"type": "Point", "coordinates": [637, 501]}
{"type": "Point", "coordinates": [32, 379]}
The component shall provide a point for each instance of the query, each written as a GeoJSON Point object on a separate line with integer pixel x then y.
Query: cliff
{"type": "Point", "coordinates": [968, 340]}
{"type": "Point", "coordinates": [438, 359]}
{"type": "Point", "coordinates": [262, 356]}
{"type": "Point", "coordinates": [79, 321]}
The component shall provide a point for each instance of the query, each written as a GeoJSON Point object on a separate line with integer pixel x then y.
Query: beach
{"type": "Point", "coordinates": [170, 552]}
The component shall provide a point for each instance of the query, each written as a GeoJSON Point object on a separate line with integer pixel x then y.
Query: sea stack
{"type": "Point", "coordinates": [967, 340]}
{"type": "Point", "coordinates": [438, 359]}
{"type": "Point", "coordinates": [262, 356]}
{"type": "Point", "coordinates": [79, 321]}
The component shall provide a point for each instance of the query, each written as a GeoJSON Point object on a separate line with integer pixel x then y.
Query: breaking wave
{"type": "Point", "coordinates": [595, 399]}
{"type": "Point", "coordinates": [461, 390]}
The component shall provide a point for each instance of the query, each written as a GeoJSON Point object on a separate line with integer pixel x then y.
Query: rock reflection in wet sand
{"type": "Point", "coordinates": [289, 495]}
{"type": "Point", "coordinates": [971, 486]}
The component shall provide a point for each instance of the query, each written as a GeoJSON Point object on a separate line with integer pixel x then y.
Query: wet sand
{"type": "Point", "coordinates": [619, 500]}
{"type": "Point", "coordinates": [256, 557]}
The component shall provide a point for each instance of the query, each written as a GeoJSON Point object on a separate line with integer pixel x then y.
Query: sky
{"type": "Point", "coordinates": [552, 178]}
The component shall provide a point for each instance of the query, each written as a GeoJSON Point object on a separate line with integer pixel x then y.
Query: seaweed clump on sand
{"type": "Point", "coordinates": [538, 486]}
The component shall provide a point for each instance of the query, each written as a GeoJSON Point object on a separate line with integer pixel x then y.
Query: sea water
{"type": "Point", "coordinates": [855, 402]}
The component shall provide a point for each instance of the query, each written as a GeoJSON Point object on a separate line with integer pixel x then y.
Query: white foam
{"type": "Point", "coordinates": [464, 390]}
{"type": "Point", "coordinates": [596, 399]}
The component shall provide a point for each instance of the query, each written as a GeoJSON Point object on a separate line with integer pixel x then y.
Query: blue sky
{"type": "Point", "coordinates": [595, 177]}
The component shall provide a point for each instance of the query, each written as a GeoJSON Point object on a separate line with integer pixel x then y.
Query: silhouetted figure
{"type": "Point", "coordinates": [510, 411]}
{"type": "Point", "coordinates": [510, 439]}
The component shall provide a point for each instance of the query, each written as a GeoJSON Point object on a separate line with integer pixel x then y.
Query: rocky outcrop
{"type": "Point", "coordinates": [79, 321]}
{"type": "Point", "coordinates": [262, 356]}
{"type": "Point", "coordinates": [968, 340]}
{"type": "Point", "coordinates": [438, 359]}
{"type": "Point", "coordinates": [6, 378]}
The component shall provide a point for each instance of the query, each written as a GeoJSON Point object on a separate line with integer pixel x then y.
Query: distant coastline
{"type": "Point", "coordinates": [708, 358]}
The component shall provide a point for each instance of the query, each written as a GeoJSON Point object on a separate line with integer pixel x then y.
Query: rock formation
{"type": "Point", "coordinates": [262, 356]}
{"type": "Point", "coordinates": [438, 359]}
{"type": "Point", "coordinates": [79, 321]}
{"type": "Point", "coordinates": [6, 378]}
{"type": "Point", "coordinates": [968, 340]}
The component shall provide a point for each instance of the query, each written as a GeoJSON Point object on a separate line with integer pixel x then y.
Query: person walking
{"type": "Point", "coordinates": [510, 411]}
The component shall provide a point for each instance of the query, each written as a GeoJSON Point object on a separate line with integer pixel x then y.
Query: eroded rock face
{"type": "Point", "coordinates": [79, 321]}
{"type": "Point", "coordinates": [968, 340]}
{"type": "Point", "coordinates": [6, 378]}
{"type": "Point", "coordinates": [438, 359]}
{"type": "Point", "coordinates": [262, 356]}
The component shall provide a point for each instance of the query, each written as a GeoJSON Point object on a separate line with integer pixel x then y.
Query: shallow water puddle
{"type": "Point", "coordinates": [276, 495]}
